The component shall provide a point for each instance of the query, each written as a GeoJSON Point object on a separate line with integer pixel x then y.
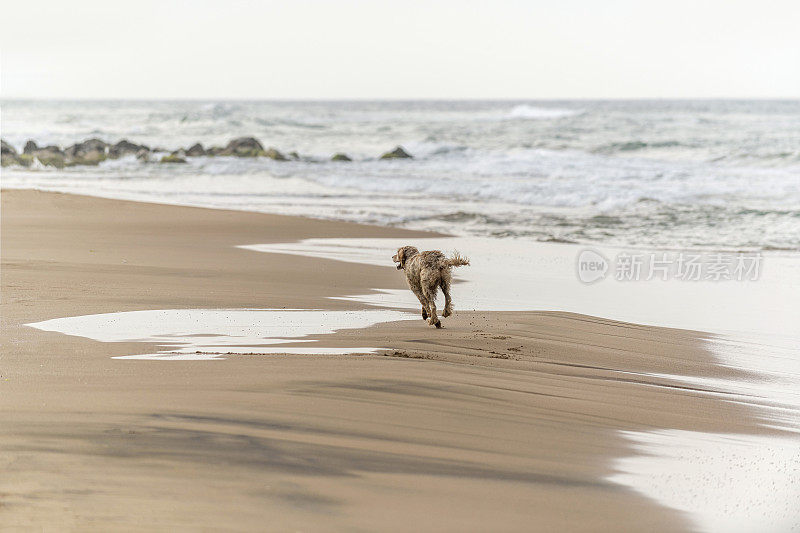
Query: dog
{"type": "Point", "coordinates": [425, 273]}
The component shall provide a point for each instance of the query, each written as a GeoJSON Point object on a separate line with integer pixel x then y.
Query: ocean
{"type": "Point", "coordinates": [666, 174]}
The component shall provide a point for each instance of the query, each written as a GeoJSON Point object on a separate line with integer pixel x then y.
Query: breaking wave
{"type": "Point", "coordinates": [535, 112]}
{"type": "Point", "coordinates": [635, 173]}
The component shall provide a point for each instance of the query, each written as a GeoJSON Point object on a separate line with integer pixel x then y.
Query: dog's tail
{"type": "Point", "coordinates": [457, 260]}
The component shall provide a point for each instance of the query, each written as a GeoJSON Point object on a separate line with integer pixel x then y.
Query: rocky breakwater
{"type": "Point", "coordinates": [94, 151]}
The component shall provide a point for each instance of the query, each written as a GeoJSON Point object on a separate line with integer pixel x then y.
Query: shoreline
{"type": "Point", "coordinates": [140, 197]}
{"type": "Point", "coordinates": [333, 438]}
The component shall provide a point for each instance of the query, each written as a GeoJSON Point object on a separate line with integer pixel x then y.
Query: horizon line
{"type": "Point", "coordinates": [393, 99]}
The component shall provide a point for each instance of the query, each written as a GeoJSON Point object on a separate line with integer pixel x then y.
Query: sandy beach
{"type": "Point", "coordinates": [502, 421]}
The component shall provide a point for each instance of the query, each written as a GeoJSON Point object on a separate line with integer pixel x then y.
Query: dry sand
{"type": "Point", "coordinates": [501, 421]}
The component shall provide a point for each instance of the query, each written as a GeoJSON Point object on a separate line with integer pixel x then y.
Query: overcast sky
{"type": "Point", "coordinates": [400, 49]}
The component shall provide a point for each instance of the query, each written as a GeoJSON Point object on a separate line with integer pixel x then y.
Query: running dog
{"type": "Point", "coordinates": [425, 273]}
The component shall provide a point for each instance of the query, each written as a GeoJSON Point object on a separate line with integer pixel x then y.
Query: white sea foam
{"type": "Point", "coordinates": [536, 112]}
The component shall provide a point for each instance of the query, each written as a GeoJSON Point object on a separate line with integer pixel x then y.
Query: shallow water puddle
{"type": "Point", "coordinates": [202, 334]}
{"type": "Point", "coordinates": [727, 483]}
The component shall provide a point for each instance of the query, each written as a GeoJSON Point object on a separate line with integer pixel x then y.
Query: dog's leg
{"type": "Point", "coordinates": [430, 295]}
{"type": "Point", "coordinates": [418, 293]}
{"type": "Point", "coordinates": [448, 303]}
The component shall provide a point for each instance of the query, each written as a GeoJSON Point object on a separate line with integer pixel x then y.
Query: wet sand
{"type": "Point", "coordinates": [503, 421]}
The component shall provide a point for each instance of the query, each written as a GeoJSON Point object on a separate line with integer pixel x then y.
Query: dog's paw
{"type": "Point", "coordinates": [447, 313]}
{"type": "Point", "coordinates": [424, 315]}
{"type": "Point", "coordinates": [438, 325]}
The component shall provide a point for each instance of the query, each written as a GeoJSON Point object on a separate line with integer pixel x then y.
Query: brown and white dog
{"type": "Point", "coordinates": [425, 273]}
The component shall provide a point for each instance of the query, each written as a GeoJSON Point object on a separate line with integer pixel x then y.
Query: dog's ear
{"type": "Point", "coordinates": [401, 258]}
{"type": "Point", "coordinates": [404, 254]}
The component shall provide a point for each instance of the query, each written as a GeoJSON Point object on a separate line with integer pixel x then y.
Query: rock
{"type": "Point", "coordinates": [196, 150]}
{"type": "Point", "coordinates": [52, 160]}
{"type": "Point", "coordinates": [94, 145]}
{"type": "Point", "coordinates": [86, 147]}
{"type": "Point", "coordinates": [51, 156]}
{"type": "Point", "coordinates": [215, 150]}
{"type": "Point", "coordinates": [52, 148]}
{"type": "Point", "coordinates": [340, 157]}
{"type": "Point", "coordinates": [88, 152]}
{"type": "Point", "coordinates": [125, 147]}
{"type": "Point", "coordinates": [92, 157]}
{"type": "Point", "coordinates": [397, 153]}
{"type": "Point", "coordinates": [143, 155]}
{"type": "Point", "coordinates": [244, 147]}
{"type": "Point", "coordinates": [174, 157]}
{"type": "Point", "coordinates": [25, 160]}
{"type": "Point", "coordinates": [8, 155]}
{"type": "Point", "coordinates": [273, 153]}
{"type": "Point", "coordinates": [294, 155]}
{"type": "Point", "coordinates": [6, 149]}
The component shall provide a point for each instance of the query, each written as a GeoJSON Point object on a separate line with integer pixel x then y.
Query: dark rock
{"type": "Point", "coordinates": [88, 152]}
{"type": "Point", "coordinates": [273, 153]}
{"type": "Point", "coordinates": [340, 157]}
{"type": "Point", "coordinates": [51, 156]}
{"type": "Point", "coordinates": [125, 147]}
{"type": "Point", "coordinates": [87, 146]}
{"type": "Point", "coordinates": [244, 147]}
{"type": "Point", "coordinates": [94, 145]}
{"type": "Point", "coordinates": [215, 150]}
{"type": "Point", "coordinates": [397, 153]}
{"type": "Point", "coordinates": [143, 155]}
{"type": "Point", "coordinates": [196, 150]}
{"type": "Point", "coordinates": [8, 155]}
{"type": "Point", "coordinates": [294, 155]}
{"type": "Point", "coordinates": [91, 157]}
{"type": "Point", "coordinates": [6, 149]}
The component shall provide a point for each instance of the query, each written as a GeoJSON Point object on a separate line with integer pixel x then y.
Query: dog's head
{"type": "Point", "coordinates": [404, 254]}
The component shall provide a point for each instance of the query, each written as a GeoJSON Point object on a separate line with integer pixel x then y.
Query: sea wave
{"type": "Point", "coordinates": [633, 146]}
{"type": "Point", "coordinates": [536, 112]}
{"type": "Point", "coordinates": [638, 172]}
